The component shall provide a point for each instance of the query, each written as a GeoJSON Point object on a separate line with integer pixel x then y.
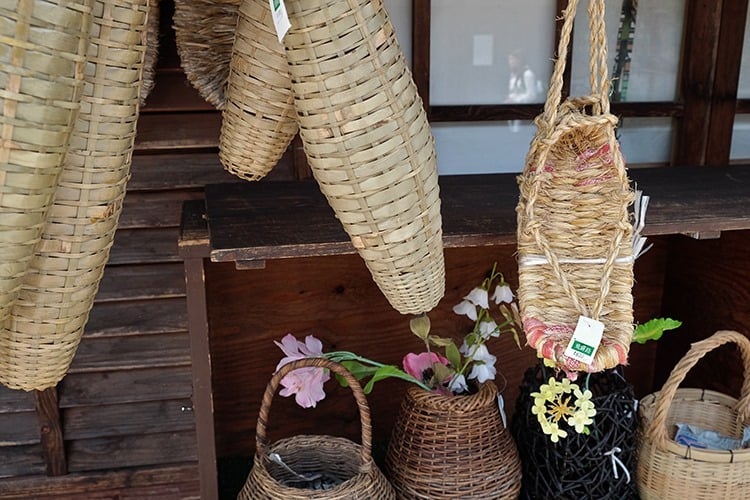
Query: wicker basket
{"type": "Point", "coordinates": [346, 463]}
{"type": "Point", "coordinates": [41, 71]}
{"type": "Point", "coordinates": [258, 119]}
{"type": "Point", "coordinates": [368, 143]}
{"type": "Point", "coordinates": [579, 466]}
{"type": "Point", "coordinates": [152, 50]}
{"type": "Point", "coordinates": [39, 339]}
{"type": "Point", "coordinates": [668, 470]}
{"type": "Point", "coordinates": [204, 34]}
{"type": "Point", "coordinates": [575, 252]}
{"type": "Point", "coordinates": [452, 447]}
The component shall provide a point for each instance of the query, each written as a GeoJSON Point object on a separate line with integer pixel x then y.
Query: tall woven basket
{"type": "Point", "coordinates": [335, 461]}
{"type": "Point", "coordinates": [446, 447]}
{"type": "Point", "coordinates": [41, 72]}
{"type": "Point", "coordinates": [40, 337]}
{"type": "Point", "coordinates": [258, 119]}
{"type": "Point", "coordinates": [575, 252]}
{"type": "Point", "coordinates": [369, 144]}
{"type": "Point", "coordinates": [668, 470]}
{"type": "Point", "coordinates": [204, 34]}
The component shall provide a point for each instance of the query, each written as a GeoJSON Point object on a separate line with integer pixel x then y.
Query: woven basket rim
{"type": "Point", "coordinates": [487, 393]}
{"type": "Point", "coordinates": [686, 395]}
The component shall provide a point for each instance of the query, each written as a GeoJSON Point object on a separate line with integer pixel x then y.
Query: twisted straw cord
{"type": "Point", "coordinates": [656, 430]}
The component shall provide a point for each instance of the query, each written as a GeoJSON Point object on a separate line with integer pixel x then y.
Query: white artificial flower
{"type": "Point", "coordinates": [466, 308]}
{"type": "Point", "coordinates": [502, 293]}
{"type": "Point", "coordinates": [488, 329]}
{"type": "Point", "coordinates": [478, 297]}
{"type": "Point", "coordinates": [458, 384]}
{"type": "Point", "coordinates": [483, 366]}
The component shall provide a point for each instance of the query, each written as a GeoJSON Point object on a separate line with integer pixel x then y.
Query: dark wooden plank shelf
{"type": "Point", "coordinates": [272, 220]}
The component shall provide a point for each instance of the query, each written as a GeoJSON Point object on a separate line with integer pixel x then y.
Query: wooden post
{"type": "Point", "coordinates": [50, 431]}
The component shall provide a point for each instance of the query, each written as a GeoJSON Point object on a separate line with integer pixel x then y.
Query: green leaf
{"type": "Point", "coordinates": [357, 369]}
{"type": "Point", "coordinates": [453, 355]}
{"type": "Point", "coordinates": [420, 326]}
{"type": "Point", "coordinates": [654, 329]}
{"type": "Point", "coordinates": [384, 372]}
{"type": "Point", "coordinates": [439, 341]}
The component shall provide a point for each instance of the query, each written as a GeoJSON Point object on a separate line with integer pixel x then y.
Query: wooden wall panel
{"type": "Point", "coordinates": [132, 352]}
{"type": "Point", "coordinates": [154, 209]}
{"type": "Point", "coordinates": [137, 317]}
{"type": "Point", "coordinates": [136, 246]}
{"type": "Point", "coordinates": [13, 400]}
{"type": "Point", "coordinates": [142, 281]}
{"type": "Point", "coordinates": [22, 460]}
{"type": "Point", "coordinates": [19, 428]}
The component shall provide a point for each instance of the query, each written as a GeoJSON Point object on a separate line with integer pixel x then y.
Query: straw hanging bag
{"type": "Point", "coordinates": [41, 75]}
{"type": "Point", "coordinates": [337, 460]}
{"type": "Point", "coordinates": [452, 447]}
{"type": "Point", "coordinates": [40, 337]}
{"type": "Point", "coordinates": [575, 253]}
{"type": "Point", "coordinates": [258, 118]}
{"type": "Point", "coordinates": [368, 143]}
{"type": "Point", "coordinates": [668, 470]}
{"type": "Point", "coordinates": [204, 34]}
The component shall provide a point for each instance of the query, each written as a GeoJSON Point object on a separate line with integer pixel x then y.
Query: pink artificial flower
{"type": "Point", "coordinates": [419, 365]}
{"type": "Point", "coordinates": [305, 383]}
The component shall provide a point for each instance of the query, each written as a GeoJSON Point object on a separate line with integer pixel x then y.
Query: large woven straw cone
{"type": "Point", "coordinates": [446, 447]}
{"type": "Point", "coordinates": [369, 144]}
{"type": "Point", "coordinates": [41, 74]}
{"type": "Point", "coordinates": [258, 119]}
{"type": "Point", "coordinates": [204, 34]}
{"type": "Point", "coordinates": [39, 339]}
{"type": "Point", "coordinates": [574, 232]}
{"type": "Point", "coordinates": [152, 51]}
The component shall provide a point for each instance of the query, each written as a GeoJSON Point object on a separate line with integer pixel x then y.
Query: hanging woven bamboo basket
{"type": "Point", "coordinates": [40, 336]}
{"type": "Point", "coordinates": [258, 118]}
{"type": "Point", "coordinates": [575, 253]}
{"type": "Point", "coordinates": [369, 144]}
{"type": "Point", "coordinates": [41, 72]}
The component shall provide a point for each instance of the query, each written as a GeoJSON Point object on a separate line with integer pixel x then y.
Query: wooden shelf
{"type": "Point", "coordinates": [272, 220]}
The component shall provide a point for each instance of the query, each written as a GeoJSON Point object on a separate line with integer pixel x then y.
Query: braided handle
{"type": "Point", "coordinates": [261, 438]}
{"type": "Point", "coordinates": [656, 429]}
{"type": "Point", "coordinates": [597, 61]}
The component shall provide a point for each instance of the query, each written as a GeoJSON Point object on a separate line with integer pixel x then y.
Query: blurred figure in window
{"type": "Point", "coordinates": [523, 86]}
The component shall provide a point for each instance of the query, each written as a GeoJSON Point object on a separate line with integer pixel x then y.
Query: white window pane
{"type": "Point", "coordinates": [470, 44]}
{"type": "Point", "coordinates": [481, 148]}
{"type": "Point", "coordinates": [743, 90]}
{"type": "Point", "coordinates": [740, 138]}
{"type": "Point", "coordinates": [649, 72]}
{"type": "Point", "coordinates": [399, 12]}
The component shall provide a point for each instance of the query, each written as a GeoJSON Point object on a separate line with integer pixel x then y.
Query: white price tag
{"type": "Point", "coordinates": [585, 340]}
{"type": "Point", "coordinates": [280, 18]}
{"type": "Point", "coordinates": [501, 405]}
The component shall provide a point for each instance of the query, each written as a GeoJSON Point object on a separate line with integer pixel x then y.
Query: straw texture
{"type": "Point", "coordinates": [152, 50]}
{"type": "Point", "coordinates": [258, 119]}
{"type": "Point", "coordinates": [368, 143]}
{"type": "Point", "coordinates": [452, 447]}
{"type": "Point", "coordinates": [204, 34]}
{"type": "Point", "coordinates": [39, 339]}
{"type": "Point", "coordinates": [668, 470]}
{"type": "Point", "coordinates": [574, 232]}
{"type": "Point", "coordinates": [41, 76]}
{"type": "Point", "coordinates": [348, 463]}
{"type": "Point", "coordinates": [577, 466]}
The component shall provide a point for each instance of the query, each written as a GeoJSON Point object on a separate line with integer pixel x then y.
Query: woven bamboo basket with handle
{"type": "Point", "coordinates": [40, 337]}
{"type": "Point", "coordinates": [575, 253]}
{"type": "Point", "coordinates": [348, 464]}
{"type": "Point", "coordinates": [41, 75]}
{"type": "Point", "coordinates": [368, 142]}
{"type": "Point", "coordinates": [668, 470]}
{"type": "Point", "coordinates": [258, 118]}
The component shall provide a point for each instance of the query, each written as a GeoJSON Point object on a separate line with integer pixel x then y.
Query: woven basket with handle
{"type": "Point", "coordinates": [575, 254]}
{"type": "Point", "coordinates": [40, 337]}
{"type": "Point", "coordinates": [41, 75]}
{"type": "Point", "coordinates": [452, 447]}
{"type": "Point", "coordinates": [338, 460]}
{"type": "Point", "coordinates": [668, 470]}
{"type": "Point", "coordinates": [258, 118]}
{"type": "Point", "coordinates": [369, 144]}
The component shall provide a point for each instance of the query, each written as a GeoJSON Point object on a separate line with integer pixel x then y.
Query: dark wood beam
{"type": "Point", "coordinates": [420, 49]}
{"type": "Point", "coordinates": [50, 431]}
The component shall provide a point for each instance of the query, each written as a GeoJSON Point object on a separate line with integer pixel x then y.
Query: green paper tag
{"type": "Point", "coordinates": [280, 18]}
{"type": "Point", "coordinates": [585, 340]}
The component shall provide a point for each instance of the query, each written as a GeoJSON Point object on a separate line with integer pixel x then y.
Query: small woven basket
{"type": "Point", "coordinates": [369, 144]}
{"type": "Point", "coordinates": [204, 34]}
{"type": "Point", "coordinates": [579, 466]}
{"type": "Point", "coordinates": [41, 74]}
{"type": "Point", "coordinates": [452, 447]}
{"type": "Point", "coordinates": [337, 460]}
{"type": "Point", "coordinates": [46, 324]}
{"type": "Point", "coordinates": [575, 254]}
{"type": "Point", "coordinates": [668, 470]}
{"type": "Point", "coordinates": [258, 118]}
